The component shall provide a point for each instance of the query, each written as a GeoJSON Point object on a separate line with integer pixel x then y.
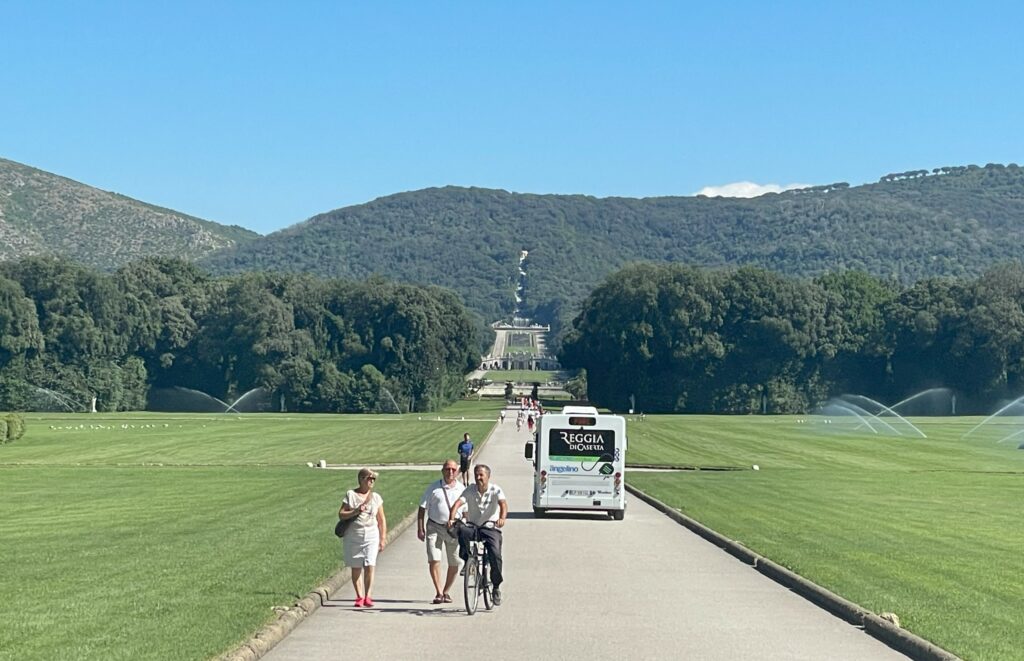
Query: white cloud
{"type": "Point", "coordinates": [746, 189]}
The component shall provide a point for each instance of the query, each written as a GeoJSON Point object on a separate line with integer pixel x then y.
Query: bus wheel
{"type": "Point", "coordinates": [539, 513]}
{"type": "Point", "coordinates": [618, 515]}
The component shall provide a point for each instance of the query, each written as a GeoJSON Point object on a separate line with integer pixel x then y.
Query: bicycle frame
{"type": "Point", "coordinates": [477, 573]}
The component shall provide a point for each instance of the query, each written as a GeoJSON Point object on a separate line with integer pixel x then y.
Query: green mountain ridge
{"type": "Point", "coordinates": [46, 214]}
{"type": "Point", "coordinates": [952, 221]}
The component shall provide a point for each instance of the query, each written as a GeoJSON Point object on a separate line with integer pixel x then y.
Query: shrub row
{"type": "Point", "coordinates": [12, 427]}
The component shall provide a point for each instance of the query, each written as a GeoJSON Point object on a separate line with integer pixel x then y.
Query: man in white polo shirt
{"type": "Point", "coordinates": [485, 504]}
{"type": "Point", "coordinates": [431, 526]}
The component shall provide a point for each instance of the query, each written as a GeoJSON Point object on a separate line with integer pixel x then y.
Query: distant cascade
{"type": "Point", "coordinates": [513, 354]}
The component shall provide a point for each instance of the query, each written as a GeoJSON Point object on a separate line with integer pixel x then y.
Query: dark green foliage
{"type": "Point", "coordinates": [577, 386]}
{"type": "Point", "coordinates": [751, 341]}
{"type": "Point", "coordinates": [12, 427]}
{"type": "Point", "coordinates": [72, 336]}
{"type": "Point", "coordinates": [956, 222]}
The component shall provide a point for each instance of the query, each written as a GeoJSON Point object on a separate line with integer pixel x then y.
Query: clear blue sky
{"type": "Point", "coordinates": [265, 113]}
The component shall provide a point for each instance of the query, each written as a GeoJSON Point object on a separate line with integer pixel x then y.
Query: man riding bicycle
{"type": "Point", "coordinates": [485, 510]}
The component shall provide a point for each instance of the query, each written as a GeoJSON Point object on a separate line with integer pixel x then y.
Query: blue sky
{"type": "Point", "coordinates": [262, 114]}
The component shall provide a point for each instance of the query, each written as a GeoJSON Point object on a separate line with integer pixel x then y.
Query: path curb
{"type": "Point", "coordinates": [899, 639]}
{"type": "Point", "coordinates": [271, 634]}
{"type": "Point", "coordinates": [274, 632]}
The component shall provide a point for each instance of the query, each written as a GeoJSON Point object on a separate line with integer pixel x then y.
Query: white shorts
{"type": "Point", "coordinates": [441, 544]}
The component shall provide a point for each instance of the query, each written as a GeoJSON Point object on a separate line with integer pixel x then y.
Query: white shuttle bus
{"type": "Point", "coordinates": [579, 459]}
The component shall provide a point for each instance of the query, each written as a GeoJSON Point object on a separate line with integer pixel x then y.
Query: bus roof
{"type": "Point", "coordinates": [579, 410]}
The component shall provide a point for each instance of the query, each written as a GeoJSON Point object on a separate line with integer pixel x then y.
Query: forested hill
{"type": "Point", "coordinates": [949, 221]}
{"type": "Point", "coordinates": [45, 214]}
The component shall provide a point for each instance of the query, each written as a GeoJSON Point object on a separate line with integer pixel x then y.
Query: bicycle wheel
{"type": "Point", "coordinates": [471, 585]}
{"type": "Point", "coordinates": [486, 587]}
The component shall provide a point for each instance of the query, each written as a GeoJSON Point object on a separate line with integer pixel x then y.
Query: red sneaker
{"type": "Point", "coordinates": [360, 601]}
{"type": "Point", "coordinates": [367, 603]}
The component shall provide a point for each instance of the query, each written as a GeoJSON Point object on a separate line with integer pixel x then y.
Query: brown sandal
{"type": "Point", "coordinates": [438, 600]}
{"type": "Point", "coordinates": [447, 598]}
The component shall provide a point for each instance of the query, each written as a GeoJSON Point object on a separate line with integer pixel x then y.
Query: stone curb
{"type": "Point", "coordinates": [899, 639]}
{"type": "Point", "coordinates": [271, 634]}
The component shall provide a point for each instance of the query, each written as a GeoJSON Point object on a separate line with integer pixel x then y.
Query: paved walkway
{"type": "Point", "coordinates": [582, 587]}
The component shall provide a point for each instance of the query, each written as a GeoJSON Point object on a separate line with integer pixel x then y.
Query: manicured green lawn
{"type": "Point", "coordinates": [265, 439]}
{"type": "Point", "coordinates": [165, 563]}
{"type": "Point", "coordinates": [520, 376]}
{"type": "Point", "coordinates": [121, 532]}
{"type": "Point", "coordinates": [928, 528]}
{"type": "Point", "coordinates": [521, 343]}
{"type": "Point", "coordinates": [475, 408]}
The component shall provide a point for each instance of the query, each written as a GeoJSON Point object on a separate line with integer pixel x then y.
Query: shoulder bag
{"type": "Point", "coordinates": [342, 525]}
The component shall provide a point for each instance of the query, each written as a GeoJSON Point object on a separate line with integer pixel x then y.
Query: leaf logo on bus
{"type": "Point", "coordinates": [606, 469]}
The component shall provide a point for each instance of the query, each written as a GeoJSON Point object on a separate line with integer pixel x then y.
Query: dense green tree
{"type": "Point", "coordinates": [90, 330]}
{"type": "Point", "coordinates": [648, 331]}
{"type": "Point", "coordinates": [169, 295]}
{"type": "Point", "coordinates": [747, 340]}
{"type": "Point", "coordinates": [19, 327]}
{"type": "Point", "coordinates": [923, 324]}
{"type": "Point", "coordinates": [854, 350]}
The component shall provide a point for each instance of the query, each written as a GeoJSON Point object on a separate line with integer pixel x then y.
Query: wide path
{"type": "Point", "coordinates": [581, 587]}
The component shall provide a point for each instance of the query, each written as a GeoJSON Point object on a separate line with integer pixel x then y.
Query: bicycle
{"type": "Point", "coordinates": [477, 579]}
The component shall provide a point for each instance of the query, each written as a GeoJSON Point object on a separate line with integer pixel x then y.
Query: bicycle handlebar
{"type": "Point", "coordinates": [469, 524]}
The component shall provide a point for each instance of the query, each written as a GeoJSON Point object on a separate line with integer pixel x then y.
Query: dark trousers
{"type": "Point", "coordinates": [491, 537]}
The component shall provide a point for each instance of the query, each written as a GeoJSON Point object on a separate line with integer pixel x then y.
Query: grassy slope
{"type": "Point", "coordinates": [927, 528]}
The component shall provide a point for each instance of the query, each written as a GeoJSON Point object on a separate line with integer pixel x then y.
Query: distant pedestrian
{"type": "Point", "coordinates": [365, 536]}
{"type": "Point", "coordinates": [529, 423]}
{"type": "Point", "coordinates": [432, 527]}
{"type": "Point", "coordinates": [465, 450]}
{"type": "Point", "coordinates": [501, 416]}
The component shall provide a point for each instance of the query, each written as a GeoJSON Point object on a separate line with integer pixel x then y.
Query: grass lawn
{"type": "Point", "coordinates": [521, 343]}
{"type": "Point", "coordinates": [928, 528]}
{"type": "Point", "coordinates": [264, 439]}
{"type": "Point", "coordinates": [486, 408]}
{"type": "Point", "coordinates": [120, 532]}
{"type": "Point", "coordinates": [520, 376]}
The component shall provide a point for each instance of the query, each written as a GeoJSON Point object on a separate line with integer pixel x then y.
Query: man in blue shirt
{"type": "Point", "coordinates": [465, 450]}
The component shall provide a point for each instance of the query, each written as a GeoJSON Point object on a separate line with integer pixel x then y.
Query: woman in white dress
{"type": "Point", "coordinates": [365, 536]}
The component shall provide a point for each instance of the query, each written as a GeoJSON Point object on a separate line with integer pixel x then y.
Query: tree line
{"type": "Point", "coordinates": [69, 334]}
{"type": "Point", "coordinates": [684, 339]}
